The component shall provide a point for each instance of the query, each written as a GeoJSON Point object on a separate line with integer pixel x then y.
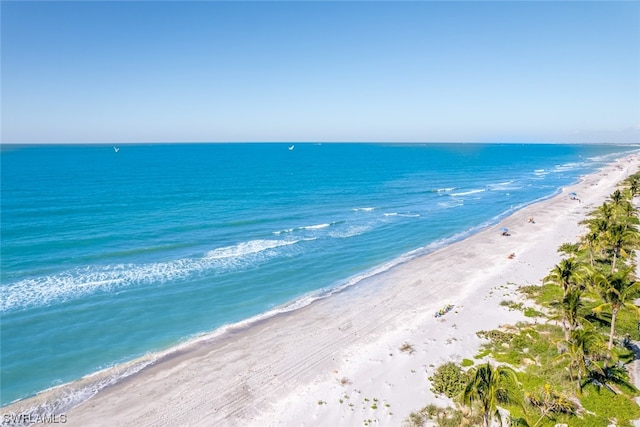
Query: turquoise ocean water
{"type": "Point", "coordinates": [106, 256]}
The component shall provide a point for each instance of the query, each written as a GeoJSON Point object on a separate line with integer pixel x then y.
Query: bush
{"type": "Point", "coordinates": [511, 305]}
{"type": "Point", "coordinates": [449, 379]}
{"type": "Point", "coordinates": [496, 337]}
{"type": "Point", "coordinates": [569, 248]}
{"type": "Point", "coordinates": [482, 354]}
{"type": "Point", "coordinates": [443, 417]}
{"type": "Point", "coordinates": [609, 406]}
{"type": "Point", "coordinates": [532, 312]}
{"type": "Point", "coordinates": [415, 420]}
{"type": "Point", "coordinates": [466, 362]}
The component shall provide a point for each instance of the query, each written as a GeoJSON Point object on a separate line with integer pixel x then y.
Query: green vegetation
{"type": "Point", "coordinates": [449, 380]}
{"type": "Point", "coordinates": [532, 312]}
{"type": "Point", "coordinates": [488, 387]}
{"type": "Point", "coordinates": [512, 305]}
{"type": "Point", "coordinates": [444, 417]}
{"type": "Point", "coordinates": [570, 367]}
{"type": "Point", "coordinates": [482, 354]}
{"type": "Point", "coordinates": [466, 363]}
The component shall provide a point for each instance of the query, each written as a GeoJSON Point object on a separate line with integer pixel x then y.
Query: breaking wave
{"type": "Point", "coordinates": [72, 284]}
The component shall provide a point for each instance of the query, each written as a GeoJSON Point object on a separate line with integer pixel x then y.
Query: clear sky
{"type": "Point", "coordinates": [86, 71]}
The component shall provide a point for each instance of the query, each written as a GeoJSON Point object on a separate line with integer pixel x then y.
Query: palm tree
{"type": "Point", "coordinates": [608, 376]}
{"type": "Point", "coordinates": [591, 240]}
{"type": "Point", "coordinates": [617, 197]}
{"type": "Point", "coordinates": [489, 386]}
{"type": "Point", "coordinates": [634, 185]}
{"type": "Point", "coordinates": [583, 343]}
{"type": "Point", "coordinates": [619, 237]}
{"type": "Point", "coordinates": [598, 224]}
{"type": "Point", "coordinates": [548, 401]}
{"type": "Point", "coordinates": [565, 274]}
{"type": "Point", "coordinates": [605, 211]}
{"type": "Point", "coordinates": [630, 213]}
{"type": "Point", "coordinates": [614, 223]}
{"type": "Point", "coordinates": [570, 306]}
{"type": "Point", "coordinates": [617, 290]}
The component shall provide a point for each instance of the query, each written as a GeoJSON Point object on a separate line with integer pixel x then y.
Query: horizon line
{"type": "Point", "coordinates": [319, 142]}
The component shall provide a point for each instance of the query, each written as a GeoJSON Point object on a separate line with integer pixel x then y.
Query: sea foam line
{"type": "Point", "coordinates": [406, 215]}
{"type": "Point", "coordinates": [247, 248]}
{"type": "Point", "coordinates": [351, 231]}
{"type": "Point", "coordinates": [466, 193]}
{"type": "Point", "coordinates": [445, 190]}
{"type": "Point", "coordinates": [73, 284]}
{"type": "Point", "coordinates": [315, 227]}
{"type": "Point", "coordinates": [75, 393]}
{"type": "Point", "coordinates": [308, 227]}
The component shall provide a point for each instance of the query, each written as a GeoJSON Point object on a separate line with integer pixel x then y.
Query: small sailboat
{"type": "Point", "coordinates": [291, 147]}
{"type": "Point", "coordinates": [116, 149]}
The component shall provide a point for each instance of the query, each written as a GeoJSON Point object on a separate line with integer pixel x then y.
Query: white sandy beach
{"type": "Point", "coordinates": [338, 362]}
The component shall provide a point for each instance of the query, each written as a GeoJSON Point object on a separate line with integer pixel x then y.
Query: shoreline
{"type": "Point", "coordinates": [277, 370]}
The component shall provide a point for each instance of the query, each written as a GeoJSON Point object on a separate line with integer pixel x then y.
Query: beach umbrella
{"type": "Point", "coordinates": [504, 230]}
{"type": "Point", "coordinates": [572, 194]}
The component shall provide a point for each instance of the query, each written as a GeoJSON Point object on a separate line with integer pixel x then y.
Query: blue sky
{"type": "Point", "coordinates": [320, 71]}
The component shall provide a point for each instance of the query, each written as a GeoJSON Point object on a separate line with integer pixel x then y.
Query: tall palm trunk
{"type": "Point", "coordinates": [614, 314]}
{"type": "Point", "coordinates": [579, 382]}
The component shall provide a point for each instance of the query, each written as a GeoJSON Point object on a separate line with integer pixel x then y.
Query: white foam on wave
{"type": "Point", "coordinates": [605, 158]}
{"type": "Point", "coordinates": [363, 209]}
{"type": "Point", "coordinates": [72, 397]}
{"type": "Point", "coordinates": [406, 215]}
{"type": "Point", "coordinates": [288, 230]}
{"type": "Point", "coordinates": [445, 190]}
{"type": "Point", "coordinates": [504, 186]}
{"type": "Point", "coordinates": [350, 231]}
{"type": "Point", "coordinates": [307, 227]}
{"type": "Point", "coordinates": [466, 193]}
{"type": "Point", "coordinates": [451, 203]}
{"type": "Point", "coordinates": [246, 248]}
{"type": "Point", "coordinates": [568, 166]}
{"type": "Point", "coordinates": [500, 185]}
{"type": "Point", "coordinates": [315, 227]}
{"type": "Point", "coordinates": [72, 284]}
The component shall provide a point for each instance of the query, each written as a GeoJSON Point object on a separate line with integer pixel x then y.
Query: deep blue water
{"type": "Point", "coordinates": [107, 256]}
